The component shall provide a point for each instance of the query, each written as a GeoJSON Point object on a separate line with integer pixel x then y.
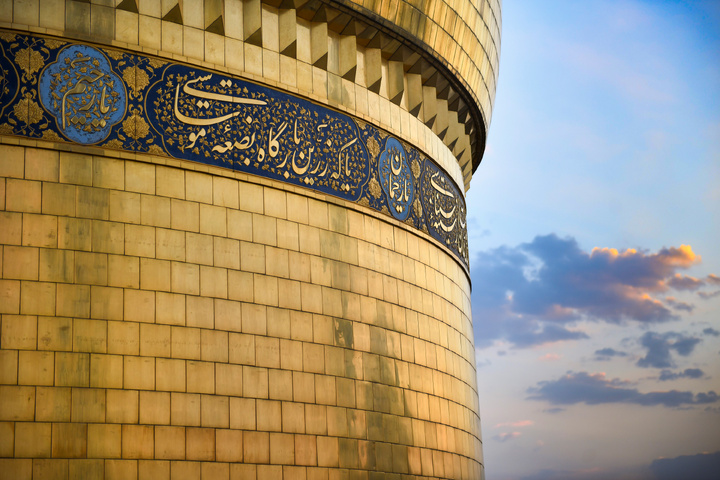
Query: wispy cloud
{"type": "Point", "coordinates": [518, 424]}
{"type": "Point", "coordinates": [708, 295]}
{"type": "Point", "coordinates": [507, 436]}
{"type": "Point", "coordinates": [703, 466]}
{"type": "Point", "coordinates": [661, 345]}
{"type": "Point", "coordinates": [532, 293]}
{"type": "Point", "coordinates": [678, 305]}
{"type": "Point", "coordinates": [666, 375]}
{"type": "Point", "coordinates": [685, 282]}
{"type": "Point", "coordinates": [607, 353]}
{"type": "Point", "coordinates": [711, 331]}
{"type": "Point", "coordinates": [596, 389]}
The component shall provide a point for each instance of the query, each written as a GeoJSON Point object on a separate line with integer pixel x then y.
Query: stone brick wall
{"type": "Point", "coordinates": [167, 319]}
{"type": "Point", "coordinates": [164, 318]}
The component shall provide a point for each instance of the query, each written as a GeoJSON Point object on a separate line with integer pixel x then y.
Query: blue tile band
{"type": "Point", "coordinates": [64, 92]}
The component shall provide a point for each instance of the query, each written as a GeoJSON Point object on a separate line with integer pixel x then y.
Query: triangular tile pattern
{"type": "Point", "coordinates": [174, 15]}
{"type": "Point", "coordinates": [214, 16]}
{"type": "Point", "coordinates": [377, 44]}
{"type": "Point", "coordinates": [128, 6]}
{"type": "Point", "coordinates": [217, 26]}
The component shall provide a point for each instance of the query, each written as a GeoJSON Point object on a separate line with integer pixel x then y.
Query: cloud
{"type": "Point", "coordinates": [518, 424]}
{"type": "Point", "coordinates": [549, 357]}
{"type": "Point", "coordinates": [684, 282]}
{"type": "Point", "coordinates": [531, 294]}
{"type": "Point", "coordinates": [687, 373]}
{"type": "Point", "coordinates": [596, 389]}
{"type": "Point", "coordinates": [660, 346]}
{"type": "Point", "coordinates": [607, 353]}
{"type": "Point", "coordinates": [504, 437]}
{"type": "Point", "coordinates": [711, 331]}
{"type": "Point", "coordinates": [703, 466]}
{"type": "Point", "coordinates": [678, 305]}
{"type": "Point", "coordinates": [626, 473]}
{"type": "Point", "coordinates": [710, 280]}
{"type": "Point", "coordinates": [708, 295]}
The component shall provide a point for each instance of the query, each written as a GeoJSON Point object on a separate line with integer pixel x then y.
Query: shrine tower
{"type": "Point", "coordinates": [233, 238]}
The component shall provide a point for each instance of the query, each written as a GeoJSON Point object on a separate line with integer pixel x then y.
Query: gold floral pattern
{"type": "Point", "coordinates": [136, 79]}
{"type": "Point", "coordinates": [51, 135]}
{"type": "Point", "coordinates": [374, 187]}
{"type": "Point", "coordinates": [28, 110]}
{"type": "Point", "coordinates": [157, 150]}
{"type": "Point", "coordinates": [155, 63]}
{"type": "Point", "coordinates": [30, 61]}
{"type": "Point", "coordinates": [415, 167]}
{"type": "Point", "coordinates": [417, 205]}
{"type": "Point", "coordinates": [114, 143]}
{"type": "Point", "coordinates": [373, 147]}
{"type": "Point", "coordinates": [53, 44]}
{"type": "Point", "coordinates": [135, 126]}
{"type": "Point", "coordinates": [115, 54]}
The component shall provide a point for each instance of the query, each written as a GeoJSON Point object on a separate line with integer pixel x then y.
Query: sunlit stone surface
{"type": "Point", "coordinates": [233, 237]}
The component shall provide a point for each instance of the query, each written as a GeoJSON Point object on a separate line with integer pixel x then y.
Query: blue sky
{"type": "Point", "coordinates": [594, 224]}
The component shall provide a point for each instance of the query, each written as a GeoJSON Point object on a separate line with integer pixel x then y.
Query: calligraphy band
{"type": "Point", "coordinates": [63, 92]}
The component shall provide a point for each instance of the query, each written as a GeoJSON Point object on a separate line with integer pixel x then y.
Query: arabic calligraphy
{"type": "Point", "coordinates": [445, 210]}
{"type": "Point", "coordinates": [396, 178]}
{"type": "Point", "coordinates": [236, 124]}
{"type": "Point", "coordinates": [83, 94]}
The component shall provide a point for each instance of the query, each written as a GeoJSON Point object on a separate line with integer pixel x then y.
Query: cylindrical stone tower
{"type": "Point", "coordinates": [233, 240]}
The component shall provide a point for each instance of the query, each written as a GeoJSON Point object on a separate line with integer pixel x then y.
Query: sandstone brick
{"type": "Point", "coordinates": [75, 233]}
{"type": "Point", "coordinates": [121, 469]}
{"type": "Point", "coordinates": [35, 368]}
{"type": "Point", "coordinates": [89, 335]}
{"type": "Point", "coordinates": [169, 443]}
{"type": "Point", "coordinates": [139, 373]}
{"type": "Point", "coordinates": [123, 271]}
{"type": "Point", "coordinates": [200, 378]}
{"type": "Point", "coordinates": [104, 441]}
{"type": "Point", "coordinates": [137, 441]}
{"type": "Point", "coordinates": [214, 411]}
{"type": "Point", "coordinates": [20, 263]}
{"type": "Point", "coordinates": [229, 445]}
{"type": "Point", "coordinates": [72, 301]}
{"type": "Point", "coordinates": [33, 440]}
{"type": "Point", "coordinates": [88, 405]}
{"type": "Point", "coordinates": [121, 406]}
{"type": "Point", "coordinates": [53, 404]}
{"type": "Point", "coordinates": [8, 367]}
{"type": "Point", "coordinates": [185, 409]}
{"type": "Point", "coordinates": [106, 371]}
{"type": "Point", "coordinates": [23, 195]}
{"type": "Point", "coordinates": [17, 403]}
{"type": "Point", "coordinates": [123, 338]}
{"type": "Point", "coordinates": [37, 298]}
{"type": "Point", "coordinates": [72, 369]}
{"type": "Point", "coordinates": [200, 444]}
{"type": "Point", "coordinates": [154, 408]}
{"type": "Point", "coordinates": [170, 375]}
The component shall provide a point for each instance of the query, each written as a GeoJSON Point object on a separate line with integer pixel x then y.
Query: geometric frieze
{"type": "Point", "coordinates": [90, 95]}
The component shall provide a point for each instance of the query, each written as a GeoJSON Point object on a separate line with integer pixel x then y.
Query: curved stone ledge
{"type": "Point", "coordinates": [67, 92]}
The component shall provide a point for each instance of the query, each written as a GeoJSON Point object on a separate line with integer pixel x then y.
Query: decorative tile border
{"type": "Point", "coordinates": [67, 92]}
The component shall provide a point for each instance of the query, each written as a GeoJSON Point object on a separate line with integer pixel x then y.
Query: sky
{"type": "Point", "coordinates": [594, 223]}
